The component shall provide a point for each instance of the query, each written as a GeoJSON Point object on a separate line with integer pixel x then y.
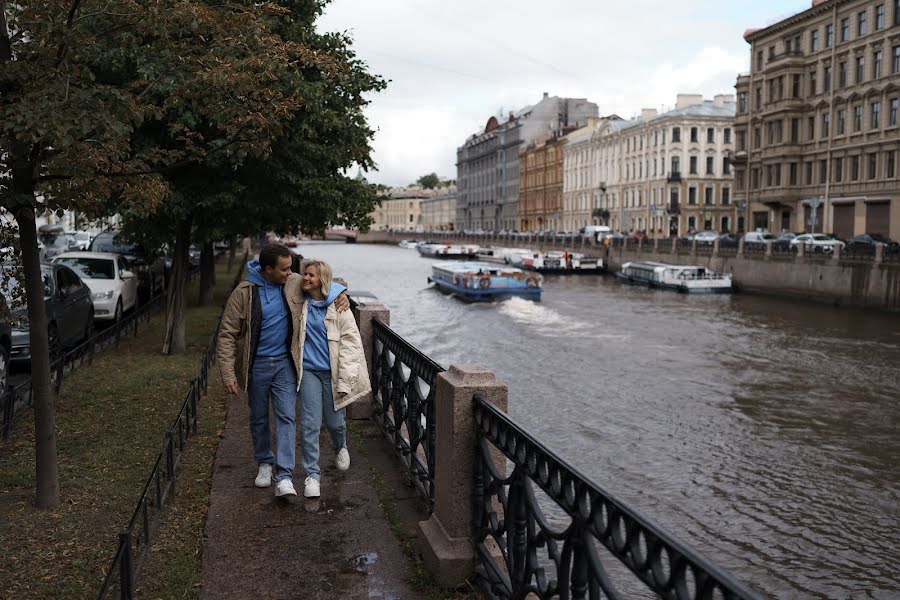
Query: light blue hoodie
{"type": "Point", "coordinates": [275, 328]}
{"type": "Point", "coordinates": [315, 350]}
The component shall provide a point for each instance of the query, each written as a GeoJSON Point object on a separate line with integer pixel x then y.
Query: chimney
{"type": "Point", "coordinates": [721, 99]}
{"type": "Point", "coordinates": [647, 113]}
{"type": "Point", "coordinates": [685, 100]}
{"type": "Point", "coordinates": [546, 95]}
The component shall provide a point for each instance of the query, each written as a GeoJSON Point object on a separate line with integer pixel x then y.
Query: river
{"type": "Point", "coordinates": [763, 432]}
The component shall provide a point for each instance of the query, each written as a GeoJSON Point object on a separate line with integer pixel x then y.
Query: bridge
{"type": "Point", "coordinates": [341, 234]}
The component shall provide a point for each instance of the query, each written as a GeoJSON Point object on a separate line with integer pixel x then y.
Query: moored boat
{"type": "Point", "coordinates": [562, 263]}
{"type": "Point", "coordinates": [485, 282]}
{"type": "Point", "coordinates": [682, 278]}
{"type": "Point", "coordinates": [454, 252]}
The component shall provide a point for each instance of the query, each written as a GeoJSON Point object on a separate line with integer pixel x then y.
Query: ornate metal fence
{"type": "Point", "coordinates": [159, 487]}
{"type": "Point", "coordinates": [403, 391]}
{"type": "Point", "coordinates": [522, 554]}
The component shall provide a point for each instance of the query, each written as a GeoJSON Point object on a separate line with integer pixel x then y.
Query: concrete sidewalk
{"type": "Point", "coordinates": [339, 546]}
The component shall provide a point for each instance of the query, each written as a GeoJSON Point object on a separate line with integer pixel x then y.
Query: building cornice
{"type": "Point", "coordinates": [819, 9]}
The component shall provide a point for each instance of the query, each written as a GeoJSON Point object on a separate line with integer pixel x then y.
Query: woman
{"type": "Point", "coordinates": [334, 370]}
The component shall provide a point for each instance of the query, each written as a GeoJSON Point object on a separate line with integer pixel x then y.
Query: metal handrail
{"type": "Point", "coordinates": [403, 411]}
{"type": "Point", "coordinates": [508, 518]}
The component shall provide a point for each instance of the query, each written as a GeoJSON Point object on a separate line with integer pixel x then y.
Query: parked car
{"type": "Point", "coordinates": [149, 268]}
{"type": "Point", "coordinates": [729, 239]}
{"type": "Point", "coordinates": [5, 344]}
{"type": "Point", "coordinates": [866, 243]}
{"type": "Point", "coordinates": [70, 313]}
{"type": "Point", "coordinates": [706, 237]}
{"type": "Point", "coordinates": [755, 240]}
{"type": "Point", "coordinates": [113, 285]}
{"type": "Point", "coordinates": [817, 242]}
{"type": "Point", "coordinates": [82, 240]}
{"type": "Point", "coordinates": [783, 241]}
{"type": "Point", "coordinates": [54, 241]}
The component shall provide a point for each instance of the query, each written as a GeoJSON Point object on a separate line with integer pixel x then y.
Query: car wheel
{"type": "Point", "coordinates": [4, 368]}
{"type": "Point", "coordinates": [118, 315]}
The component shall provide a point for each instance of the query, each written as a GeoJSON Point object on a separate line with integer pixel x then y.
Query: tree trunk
{"type": "Point", "coordinates": [174, 342]}
{"type": "Point", "coordinates": [46, 466]}
{"type": "Point", "coordinates": [232, 250]}
{"type": "Point", "coordinates": [207, 273]}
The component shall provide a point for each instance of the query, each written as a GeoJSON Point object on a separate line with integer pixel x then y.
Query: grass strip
{"type": "Point", "coordinates": [111, 419]}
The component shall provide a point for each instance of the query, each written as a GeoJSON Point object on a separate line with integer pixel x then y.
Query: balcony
{"type": "Point", "coordinates": [788, 57]}
{"type": "Point", "coordinates": [739, 157]}
{"type": "Point", "coordinates": [674, 177]}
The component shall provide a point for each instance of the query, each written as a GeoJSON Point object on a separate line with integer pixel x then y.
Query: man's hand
{"type": "Point", "coordinates": [232, 388]}
{"type": "Point", "coordinates": [342, 302]}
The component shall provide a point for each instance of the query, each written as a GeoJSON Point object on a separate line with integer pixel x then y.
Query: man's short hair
{"type": "Point", "coordinates": [268, 256]}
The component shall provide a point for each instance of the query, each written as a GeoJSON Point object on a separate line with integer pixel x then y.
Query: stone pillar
{"type": "Point", "coordinates": [715, 247]}
{"type": "Point", "coordinates": [801, 250]}
{"type": "Point", "coordinates": [655, 245]}
{"type": "Point", "coordinates": [741, 247]}
{"type": "Point", "coordinates": [674, 249]}
{"type": "Point", "coordinates": [768, 248]}
{"type": "Point", "coordinates": [836, 252]}
{"type": "Point", "coordinates": [879, 253]}
{"type": "Point", "coordinates": [445, 539]}
{"type": "Point", "coordinates": [365, 313]}
{"type": "Point", "coordinates": [693, 246]}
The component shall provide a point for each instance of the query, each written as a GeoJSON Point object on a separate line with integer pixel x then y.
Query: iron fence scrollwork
{"type": "Point", "coordinates": [520, 553]}
{"type": "Point", "coordinates": [403, 392]}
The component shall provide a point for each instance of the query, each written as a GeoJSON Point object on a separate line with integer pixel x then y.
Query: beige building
{"type": "Point", "coordinates": [579, 187]}
{"type": "Point", "coordinates": [664, 174]}
{"type": "Point", "coordinates": [817, 121]}
{"type": "Point", "coordinates": [400, 210]}
{"type": "Point", "coordinates": [439, 211]}
{"type": "Point", "coordinates": [540, 185]}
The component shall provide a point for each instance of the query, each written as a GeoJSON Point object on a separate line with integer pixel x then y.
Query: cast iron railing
{"type": "Point", "coordinates": [403, 408]}
{"type": "Point", "coordinates": [159, 488]}
{"type": "Point", "coordinates": [521, 554]}
{"type": "Point", "coordinates": [15, 401]}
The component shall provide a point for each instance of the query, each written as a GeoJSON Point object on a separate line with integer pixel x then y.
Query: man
{"type": "Point", "coordinates": [258, 352]}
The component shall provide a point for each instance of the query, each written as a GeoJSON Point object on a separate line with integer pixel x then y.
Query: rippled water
{"type": "Point", "coordinates": [765, 433]}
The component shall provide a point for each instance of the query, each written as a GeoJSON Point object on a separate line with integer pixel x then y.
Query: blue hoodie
{"type": "Point", "coordinates": [315, 350]}
{"type": "Point", "coordinates": [273, 336]}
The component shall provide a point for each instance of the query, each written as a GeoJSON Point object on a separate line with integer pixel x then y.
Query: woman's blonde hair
{"type": "Point", "coordinates": [323, 269]}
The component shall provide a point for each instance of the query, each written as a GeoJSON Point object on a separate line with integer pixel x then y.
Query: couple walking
{"type": "Point", "coordinates": [285, 334]}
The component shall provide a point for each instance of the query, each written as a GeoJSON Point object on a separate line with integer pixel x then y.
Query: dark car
{"type": "Point", "coordinates": [70, 313]}
{"type": "Point", "coordinates": [5, 344]}
{"type": "Point", "coordinates": [150, 268]}
{"type": "Point", "coordinates": [865, 243]}
{"type": "Point", "coordinates": [783, 241]}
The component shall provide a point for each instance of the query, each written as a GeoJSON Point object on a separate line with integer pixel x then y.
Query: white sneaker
{"type": "Point", "coordinates": [342, 460]}
{"type": "Point", "coordinates": [264, 477]}
{"type": "Point", "coordinates": [311, 488]}
{"type": "Point", "coordinates": [285, 487]}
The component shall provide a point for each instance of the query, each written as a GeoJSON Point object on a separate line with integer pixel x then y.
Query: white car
{"type": "Point", "coordinates": [816, 242]}
{"type": "Point", "coordinates": [706, 237]}
{"type": "Point", "coordinates": [113, 286]}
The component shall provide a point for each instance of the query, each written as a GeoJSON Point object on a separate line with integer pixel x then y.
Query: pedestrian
{"type": "Point", "coordinates": [334, 371]}
{"type": "Point", "coordinates": [259, 353]}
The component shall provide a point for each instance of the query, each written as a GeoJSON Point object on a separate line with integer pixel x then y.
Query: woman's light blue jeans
{"type": "Point", "coordinates": [316, 404]}
{"type": "Point", "coordinates": [275, 378]}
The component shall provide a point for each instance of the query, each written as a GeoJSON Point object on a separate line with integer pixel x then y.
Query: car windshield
{"type": "Point", "coordinates": [91, 268]}
{"type": "Point", "coordinates": [821, 238]}
{"type": "Point", "coordinates": [107, 243]}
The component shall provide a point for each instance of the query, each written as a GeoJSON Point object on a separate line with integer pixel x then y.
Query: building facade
{"type": "Point", "coordinates": [817, 131]}
{"type": "Point", "coordinates": [579, 187]}
{"type": "Point", "coordinates": [488, 173]}
{"type": "Point", "coordinates": [664, 174]}
{"type": "Point", "coordinates": [400, 210]}
{"type": "Point", "coordinates": [439, 211]}
{"type": "Point", "coordinates": [541, 186]}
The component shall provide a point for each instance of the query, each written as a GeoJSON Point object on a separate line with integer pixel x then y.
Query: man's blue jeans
{"type": "Point", "coordinates": [316, 403]}
{"type": "Point", "coordinates": [275, 378]}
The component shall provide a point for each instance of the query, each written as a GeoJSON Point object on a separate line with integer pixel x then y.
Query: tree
{"type": "Point", "coordinates": [430, 181]}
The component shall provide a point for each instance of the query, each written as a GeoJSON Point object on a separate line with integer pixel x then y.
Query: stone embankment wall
{"type": "Point", "coordinates": [870, 282]}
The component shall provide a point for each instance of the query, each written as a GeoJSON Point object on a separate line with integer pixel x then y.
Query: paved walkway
{"type": "Point", "coordinates": [339, 546]}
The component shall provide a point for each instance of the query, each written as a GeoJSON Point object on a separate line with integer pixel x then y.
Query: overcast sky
{"type": "Point", "coordinates": [453, 64]}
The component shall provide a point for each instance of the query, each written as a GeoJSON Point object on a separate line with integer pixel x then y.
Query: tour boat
{"type": "Point", "coordinates": [682, 278]}
{"type": "Point", "coordinates": [455, 252]}
{"type": "Point", "coordinates": [562, 263]}
{"type": "Point", "coordinates": [485, 282]}
{"type": "Point", "coordinates": [409, 244]}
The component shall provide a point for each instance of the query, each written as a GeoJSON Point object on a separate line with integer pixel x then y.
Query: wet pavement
{"type": "Point", "coordinates": [337, 546]}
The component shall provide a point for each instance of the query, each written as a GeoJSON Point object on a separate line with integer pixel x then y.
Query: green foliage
{"type": "Point", "coordinates": [430, 181]}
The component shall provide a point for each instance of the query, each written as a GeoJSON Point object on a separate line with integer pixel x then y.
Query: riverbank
{"type": "Point", "coordinates": [839, 281]}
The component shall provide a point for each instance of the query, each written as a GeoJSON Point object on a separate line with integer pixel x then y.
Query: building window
{"type": "Point", "coordinates": [692, 222]}
{"type": "Point", "coordinates": [861, 28]}
{"type": "Point", "coordinates": [693, 165]}
{"type": "Point", "coordinates": [709, 165]}
{"type": "Point", "coordinates": [792, 174]}
{"type": "Point", "coordinates": [812, 83]}
{"type": "Point", "coordinates": [676, 165]}
{"type": "Point", "coordinates": [860, 68]}
{"type": "Point", "coordinates": [845, 29]}
{"type": "Point", "coordinates": [708, 195]}
{"type": "Point", "coordinates": [757, 138]}
{"type": "Point", "coordinates": [726, 196]}
{"type": "Point", "coordinates": [759, 60]}
{"type": "Point", "coordinates": [742, 102]}
{"type": "Point", "coordinates": [873, 165]}
{"type": "Point", "coordinates": [889, 164]}
{"type": "Point", "coordinates": [754, 178]}
{"type": "Point", "coordinates": [676, 134]}
{"type": "Point", "coordinates": [795, 86]}
{"type": "Point", "coordinates": [876, 115]}
{"type": "Point", "coordinates": [892, 115]}
{"type": "Point", "coordinates": [772, 52]}
{"type": "Point", "coordinates": [795, 131]}
{"type": "Point", "coordinates": [692, 195]}
{"type": "Point", "coordinates": [727, 135]}
{"type": "Point", "coordinates": [726, 166]}
{"type": "Point", "coordinates": [710, 135]}
{"type": "Point", "coordinates": [854, 168]}
{"type": "Point", "coordinates": [829, 36]}
{"type": "Point", "coordinates": [758, 97]}
{"type": "Point", "coordinates": [694, 138]}
{"type": "Point", "coordinates": [809, 173]}
{"type": "Point", "coordinates": [838, 170]}
{"type": "Point", "coordinates": [739, 181]}
{"type": "Point", "coordinates": [896, 12]}
{"type": "Point", "coordinates": [879, 17]}
{"type": "Point", "coordinates": [768, 175]}
{"type": "Point", "coordinates": [842, 74]}
{"type": "Point", "coordinates": [741, 139]}
{"type": "Point", "coordinates": [857, 118]}
{"type": "Point", "coordinates": [841, 117]}
{"type": "Point", "coordinates": [814, 40]}
{"type": "Point", "coordinates": [826, 118]}
{"type": "Point", "coordinates": [876, 64]}
{"type": "Point", "coordinates": [895, 62]}
{"type": "Point", "coordinates": [811, 128]}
